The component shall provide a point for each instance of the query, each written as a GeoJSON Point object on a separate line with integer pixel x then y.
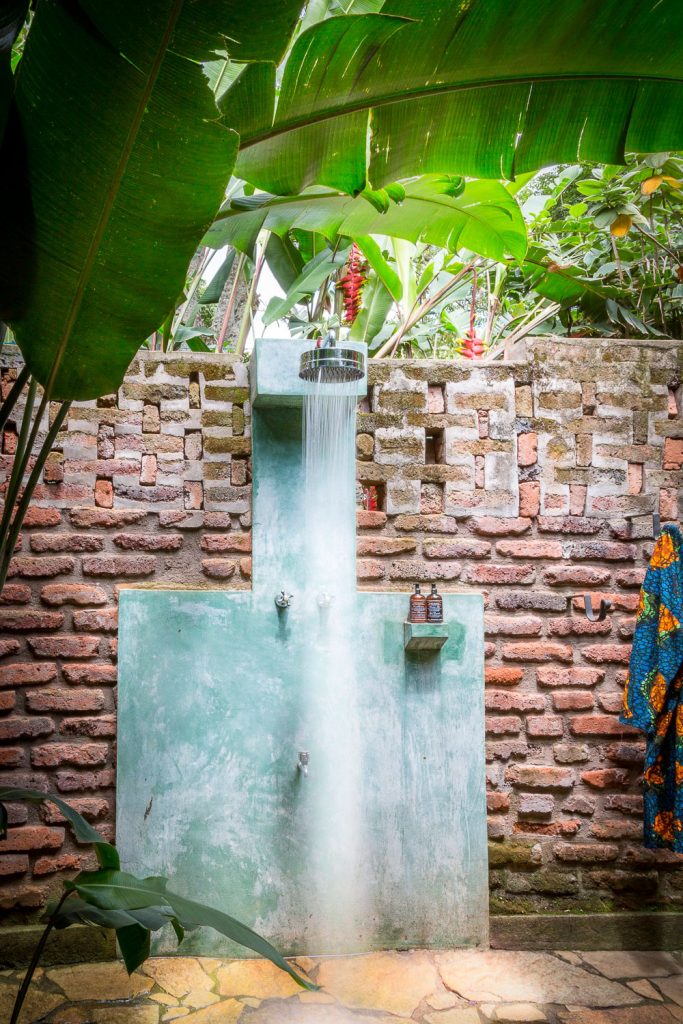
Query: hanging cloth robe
{"type": "Point", "coordinates": [653, 695]}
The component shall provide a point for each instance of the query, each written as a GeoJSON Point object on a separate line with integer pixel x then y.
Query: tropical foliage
{"type": "Point", "coordinates": [133, 907]}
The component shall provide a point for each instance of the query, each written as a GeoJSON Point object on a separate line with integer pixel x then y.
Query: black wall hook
{"type": "Point", "coordinates": [605, 606]}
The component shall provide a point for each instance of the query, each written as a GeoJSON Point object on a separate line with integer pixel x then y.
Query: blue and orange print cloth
{"type": "Point", "coordinates": [653, 695]}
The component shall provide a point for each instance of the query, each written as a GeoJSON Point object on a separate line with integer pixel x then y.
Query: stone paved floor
{"type": "Point", "coordinates": [463, 987]}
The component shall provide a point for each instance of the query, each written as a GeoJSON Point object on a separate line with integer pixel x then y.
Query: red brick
{"type": "Point", "coordinates": [64, 646]}
{"type": "Point", "coordinates": [668, 503]}
{"type": "Point", "coordinates": [492, 527]}
{"type": "Point", "coordinates": [49, 865]}
{"type": "Point", "coordinates": [369, 569]}
{"type": "Point", "coordinates": [32, 837]}
{"type": "Point", "coordinates": [504, 700]}
{"type": "Point", "coordinates": [100, 727]}
{"type": "Point", "coordinates": [427, 524]}
{"type": "Point", "coordinates": [42, 542]}
{"type": "Point", "coordinates": [573, 700]}
{"type": "Point", "coordinates": [89, 517]}
{"type": "Point", "coordinates": [599, 654]}
{"type": "Point", "coordinates": [627, 803]}
{"type": "Point", "coordinates": [635, 478]}
{"type": "Point", "coordinates": [91, 807]}
{"type": "Point", "coordinates": [527, 449]}
{"type": "Point", "coordinates": [148, 470]}
{"type": "Point", "coordinates": [18, 728]}
{"type": "Point", "coordinates": [73, 782]}
{"type": "Point", "coordinates": [93, 673]}
{"type": "Point", "coordinates": [65, 701]}
{"type": "Point", "coordinates": [41, 517]}
{"type": "Point", "coordinates": [500, 574]}
{"type": "Point", "coordinates": [577, 499]}
{"type": "Point", "coordinates": [544, 725]}
{"type": "Point", "coordinates": [497, 803]}
{"type": "Point", "coordinates": [148, 541]}
{"type": "Point", "coordinates": [193, 494]}
{"type": "Point", "coordinates": [218, 568]}
{"type": "Point", "coordinates": [512, 625]}
{"type": "Point", "coordinates": [626, 753]}
{"type": "Point", "coordinates": [84, 755]}
{"type": "Point", "coordinates": [586, 853]}
{"type": "Point", "coordinates": [566, 827]}
{"type": "Point", "coordinates": [57, 594]}
{"type": "Point", "coordinates": [36, 568]}
{"type": "Point", "coordinates": [103, 620]}
{"type": "Point", "coordinates": [15, 593]}
{"type": "Point", "coordinates": [382, 545]}
{"type": "Point", "coordinates": [568, 524]}
{"type": "Point", "coordinates": [529, 548]}
{"type": "Point", "coordinates": [12, 757]}
{"type": "Point", "coordinates": [8, 699]}
{"type": "Point", "coordinates": [8, 647]}
{"type": "Point", "coordinates": [456, 549]}
{"type": "Point", "coordinates": [539, 776]}
{"type": "Point", "coordinates": [20, 673]}
{"type": "Point", "coordinates": [370, 520]}
{"type": "Point", "coordinates": [27, 621]}
{"type": "Point", "coordinates": [406, 569]}
{"type": "Point", "coordinates": [602, 551]}
{"type": "Point", "coordinates": [537, 651]}
{"type": "Point", "coordinates": [536, 804]}
{"type": "Point", "coordinates": [576, 577]}
{"type": "Point", "coordinates": [529, 498]}
{"type": "Point", "coordinates": [610, 702]}
{"type": "Point", "coordinates": [503, 725]}
{"type": "Point", "coordinates": [630, 577]}
{"type": "Point", "coordinates": [673, 453]}
{"type": "Point", "coordinates": [605, 778]}
{"type": "Point", "coordinates": [119, 565]}
{"type": "Point", "coordinates": [13, 865]}
{"type": "Point", "coordinates": [619, 602]}
{"type": "Point", "coordinates": [104, 493]}
{"type": "Point", "coordinates": [616, 828]}
{"type": "Point", "coordinates": [599, 725]}
{"type": "Point", "coordinates": [23, 896]}
{"type": "Point", "coordinates": [499, 675]}
{"type": "Point", "coordinates": [578, 626]}
{"type": "Point", "coordinates": [245, 568]}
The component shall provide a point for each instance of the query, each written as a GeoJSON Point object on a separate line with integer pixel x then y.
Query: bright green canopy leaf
{"type": "Point", "coordinates": [485, 88]}
{"type": "Point", "coordinates": [484, 218]}
{"type": "Point", "coordinates": [127, 164]}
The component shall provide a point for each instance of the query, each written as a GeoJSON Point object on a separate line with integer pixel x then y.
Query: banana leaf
{"type": "Point", "coordinates": [127, 164]}
{"type": "Point", "coordinates": [377, 302]}
{"type": "Point", "coordinates": [308, 281]}
{"type": "Point", "coordinates": [12, 16]}
{"type": "Point", "coordinates": [214, 288]}
{"type": "Point", "coordinates": [486, 88]}
{"type": "Point", "coordinates": [484, 218]}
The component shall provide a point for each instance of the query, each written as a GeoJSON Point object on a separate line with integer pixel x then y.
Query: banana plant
{"type": "Point", "coordinates": [133, 907]}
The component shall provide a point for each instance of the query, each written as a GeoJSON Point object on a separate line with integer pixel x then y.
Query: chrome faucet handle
{"type": "Point", "coordinates": [302, 763]}
{"type": "Point", "coordinates": [283, 599]}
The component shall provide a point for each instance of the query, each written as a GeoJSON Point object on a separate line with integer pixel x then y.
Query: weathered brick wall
{"type": "Point", "coordinates": [512, 479]}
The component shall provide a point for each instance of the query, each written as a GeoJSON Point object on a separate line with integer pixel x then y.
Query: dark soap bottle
{"type": "Point", "coordinates": [434, 606]}
{"type": "Point", "coordinates": [418, 606]}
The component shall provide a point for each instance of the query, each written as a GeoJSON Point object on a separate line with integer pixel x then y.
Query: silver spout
{"type": "Point", "coordinates": [324, 599]}
{"type": "Point", "coordinates": [302, 763]}
{"type": "Point", "coordinates": [283, 599]}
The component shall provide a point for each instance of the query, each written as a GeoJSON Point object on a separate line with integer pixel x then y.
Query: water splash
{"type": "Point", "coordinates": [334, 785]}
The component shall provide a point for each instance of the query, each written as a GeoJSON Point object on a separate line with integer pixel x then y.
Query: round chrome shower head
{"type": "Point", "coordinates": [332, 365]}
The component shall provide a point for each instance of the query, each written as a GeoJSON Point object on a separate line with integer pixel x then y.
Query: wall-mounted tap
{"type": "Point", "coordinates": [325, 600]}
{"type": "Point", "coordinates": [283, 599]}
{"type": "Point", "coordinates": [302, 763]}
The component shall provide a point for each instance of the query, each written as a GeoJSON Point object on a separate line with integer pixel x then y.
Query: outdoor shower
{"type": "Point", "coordinates": [295, 747]}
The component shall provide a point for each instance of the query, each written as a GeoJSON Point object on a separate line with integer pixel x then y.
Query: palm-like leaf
{"type": "Point", "coordinates": [484, 217]}
{"type": "Point", "coordinates": [485, 88]}
{"type": "Point", "coordinates": [127, 164]}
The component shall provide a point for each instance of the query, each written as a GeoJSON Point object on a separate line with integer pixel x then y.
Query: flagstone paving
{"type": "Point", "coordinates": [448, 987]}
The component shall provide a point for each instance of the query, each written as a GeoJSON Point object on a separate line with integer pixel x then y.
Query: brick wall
{"type": "Point", "coordinates": [513, 479]}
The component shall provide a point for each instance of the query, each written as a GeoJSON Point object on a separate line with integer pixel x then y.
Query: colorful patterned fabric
{"type": "Point", "coordinates": [653, 695]}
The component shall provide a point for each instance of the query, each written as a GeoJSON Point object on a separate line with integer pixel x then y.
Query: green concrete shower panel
{"type": "Point", "coordinates": [217, 698]}
{"type": "Point", "coordinates": [211, 719]}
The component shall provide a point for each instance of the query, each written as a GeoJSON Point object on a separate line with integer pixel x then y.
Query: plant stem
{"type": "Point", "coordinates": [247, 318]}
{"type": "Point", "coordinates": [231, 302]}
{"type": "Point", "coordinates": [35, 959]}
{"type": "Point", "coordinates": [12, 397]}
{"type": "Point", "coordinates": [9, 536]}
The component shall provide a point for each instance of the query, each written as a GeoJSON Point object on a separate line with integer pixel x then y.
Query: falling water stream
{"type": "Point", "coordinates": [334, 785]}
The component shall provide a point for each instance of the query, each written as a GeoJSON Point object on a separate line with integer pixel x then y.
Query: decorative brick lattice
{"type": "Point", "coordinates": [511, 479]}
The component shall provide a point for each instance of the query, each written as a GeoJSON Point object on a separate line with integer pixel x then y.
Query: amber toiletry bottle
{"type": "Point", "coordinates": [418, 606]}
{"type": "Point", "coordinates": [434, 606]}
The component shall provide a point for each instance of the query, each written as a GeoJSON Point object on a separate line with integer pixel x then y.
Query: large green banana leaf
{"type": "Point", "coordinates": [12, 17]}
{"type": "Point", "coordinates": [484, 217]}
{"type": "Point", "coordinates": [485, 88]}
{"type": "Point", "coordinates": [127, 164]}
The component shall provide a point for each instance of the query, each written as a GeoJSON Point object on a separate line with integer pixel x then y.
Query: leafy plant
{"type": "Point", "coordinates": [133, 907]}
